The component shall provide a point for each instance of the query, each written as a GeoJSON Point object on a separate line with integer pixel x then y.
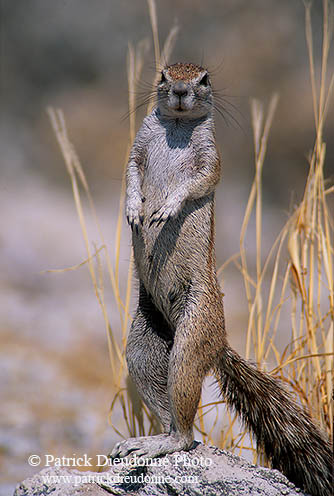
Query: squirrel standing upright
{"type": "Point", "coordinates": [178, 333]}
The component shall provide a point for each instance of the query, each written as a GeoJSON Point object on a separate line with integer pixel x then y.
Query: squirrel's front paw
{"type": "Point", "coordinates": [133, 212]}
{"type": "Point", "coordinates": [170, 209]}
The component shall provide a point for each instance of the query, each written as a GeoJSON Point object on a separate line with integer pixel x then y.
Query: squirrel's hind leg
{"type": "Point", "coordinates": [199, 339]}
{"type": "Point", "coordinates": [147, 352]}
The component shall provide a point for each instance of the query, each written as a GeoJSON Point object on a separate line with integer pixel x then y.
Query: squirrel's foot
{"type": "Point", "coordinates": [133, 212]}
{"type": "Point", "coordinates": [151, 446]}
{"type": "Point", "coordinates": [170, 209]}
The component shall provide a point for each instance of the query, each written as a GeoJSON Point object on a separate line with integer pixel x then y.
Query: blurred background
{"type": "Point", "coordinates": [54, 364]}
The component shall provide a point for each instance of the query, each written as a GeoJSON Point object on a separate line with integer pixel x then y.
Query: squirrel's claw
{"type": "Point", "coordinates": [134, 220]}
{"type": "Point", "coordinates": [159, 219]}
{"type": "Point", "coordinates": [163, 214]}
{"type": "Point", "coordinates": [134, 213]}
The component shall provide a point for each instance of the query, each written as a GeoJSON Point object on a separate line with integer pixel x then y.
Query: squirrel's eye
{"type": "Point", "coordinates": [163, 78]}
{"type": "Point", "coordinates": [205, 80]}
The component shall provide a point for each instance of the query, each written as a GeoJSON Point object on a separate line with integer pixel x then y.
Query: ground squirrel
{"type": "Point", "coordinates": [178, 333]}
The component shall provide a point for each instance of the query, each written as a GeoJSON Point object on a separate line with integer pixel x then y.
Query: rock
{"type": "Point", "coordinates": [203, 471]}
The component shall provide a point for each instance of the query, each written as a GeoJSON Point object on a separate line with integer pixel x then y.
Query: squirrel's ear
{"type": "Point", "coordinates": [205, 80]}
{"type": "Point", "coordinates": [163, 77]}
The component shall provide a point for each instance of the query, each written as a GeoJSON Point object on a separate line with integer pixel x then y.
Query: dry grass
{"type": "Point", "coordinates": [299, 266]}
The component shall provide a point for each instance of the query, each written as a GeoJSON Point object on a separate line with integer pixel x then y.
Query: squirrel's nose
{"type": "Point", "coordinates": [180, 89]}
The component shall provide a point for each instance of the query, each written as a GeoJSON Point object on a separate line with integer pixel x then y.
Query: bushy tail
{"type": "Point", "coordinates": [287, 435]}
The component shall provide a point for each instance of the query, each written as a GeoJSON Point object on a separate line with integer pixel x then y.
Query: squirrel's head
{"type": "Point", "coordinates": [184, 91]}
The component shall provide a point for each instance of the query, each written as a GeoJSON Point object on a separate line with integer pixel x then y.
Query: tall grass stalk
{"type": "Point", "coordinates": [299, 266]}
